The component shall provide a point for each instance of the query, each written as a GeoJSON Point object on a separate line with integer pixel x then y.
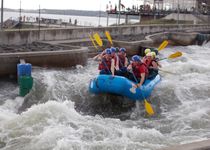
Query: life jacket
{"type": "Point", "coordinates": [121, 61]}
{"type": "Point", "coordinates": [116, 58]}
{"type": "Point", "coordinates": [144, 59]}
{"type": "Point", "coordinates": [136, 69]}
{"type": "Point", "coordinates": [105, 64]}
{"type": "Point", "coordinates": [148, 62]}
{"type": "Point", "coordinates": [153, 60]}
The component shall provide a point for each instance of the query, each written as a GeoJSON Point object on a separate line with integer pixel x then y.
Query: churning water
{"type": "Point", "coordinates": [59, 113]}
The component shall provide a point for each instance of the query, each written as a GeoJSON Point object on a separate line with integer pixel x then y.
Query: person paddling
{"type": "Point", "coordinates": [123, 61]}
{"type": "Point", "coordinates": [115, 59]}
{"type": "Point", "coordinates": [139, 71]}
{"type": "Point", "coordinates": [148, 59]}
{"type": "Point", "coordinates": [152, 65]}
{"type": "Point", "coordinates": [105, 62]}
{"type": "Point", "coordinates": [146, 51]}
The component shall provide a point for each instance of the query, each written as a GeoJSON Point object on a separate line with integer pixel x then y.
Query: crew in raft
{"type": "Point", "coordinates": [139, 71]}
{"type": "Point", "coordinates": [111, 62]}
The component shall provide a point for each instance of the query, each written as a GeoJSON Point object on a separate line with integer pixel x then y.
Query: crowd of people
{"type": "Point", "coordinates": [114, 61]}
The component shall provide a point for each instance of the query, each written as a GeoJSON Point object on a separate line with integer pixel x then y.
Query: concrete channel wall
{"type": "Point", "coordinates": [31, 35]}
{"type": "Point", "coordinates": [64, 58]}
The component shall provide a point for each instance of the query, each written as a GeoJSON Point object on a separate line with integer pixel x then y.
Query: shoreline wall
{"type": "Point", "coordinates": [64, 58]}
{"type": "Point", "coordinates": [30, 35]}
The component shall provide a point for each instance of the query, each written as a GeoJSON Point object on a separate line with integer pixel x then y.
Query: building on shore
{"type": "Point", "coordinates": [202, 6]}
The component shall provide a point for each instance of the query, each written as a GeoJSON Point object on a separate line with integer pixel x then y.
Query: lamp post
{"type": "Point", "coordinates": [39, 20]}
{"type": "Point", "coordinates": [178, 11]}
{"type": "Point", "coordinates": [119, 6]}
{"type": "Point", "coordinates": [20, 18]}
{"type": "Point", "coordinates": [2, 13]}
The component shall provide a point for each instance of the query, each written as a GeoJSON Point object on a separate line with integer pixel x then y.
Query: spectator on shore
{"type": "Point", "coordinates": [75, 22]}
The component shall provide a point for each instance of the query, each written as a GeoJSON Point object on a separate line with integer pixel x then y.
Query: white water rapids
{"type": "Point", "coordinates": [59, 113]}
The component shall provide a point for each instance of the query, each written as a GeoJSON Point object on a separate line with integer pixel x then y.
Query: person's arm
{"type": "Point", "coordinates": [117, 63]}
{"type": "Point", "coordinates": [129, 67]}
{"type": "Point", "coordinates": [142, 80]}
{"type": "Point", "coordinates": [112, 67]}
{"type": "Point", "coordinates": [96, 57]}
{"type": "Point", "coordinates": [154, 65]}
{"type": "Point", "coordinates": [99, 56]}
{"type": "Point", "coordinates": [159, 65]}
{"type": "Point", "coordinates": [126, 62]}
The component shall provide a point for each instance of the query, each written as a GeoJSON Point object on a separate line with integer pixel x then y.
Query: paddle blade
{"type": "Point", "coordinates": [163, 45]}
{"type": "Point", "coordinates": [148, 108]}
{"type": "Point", "coordinates": [92, 40]}
{"type": "Point", "coordinates": [175, 55]}
{"type": "Point", "coordinates": [98, 39]}
{"type": "Point", "coordinates": [109, 37]}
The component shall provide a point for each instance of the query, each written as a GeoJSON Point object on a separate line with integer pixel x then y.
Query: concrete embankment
{"type": "Point", "coordinates": [63, 58]}
{"type": "Point", "coordinates": [203, 145]}
{"type": "Point", "coordinates": [31, 35]}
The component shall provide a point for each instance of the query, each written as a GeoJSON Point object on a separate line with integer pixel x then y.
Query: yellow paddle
{"type": "Point", "coordinates": [172, 56]}
{"type": "Point", "coordinates": [109, 37]}
{"type": "Point", "coordinates": [147, 105]}
{"type": "Point", "coordinates": [92, 40]}
{"type": "Point", "coordinates": [163, 45]}
{"type": "Point", "coordinates": [148, 108]}
{"type": "Point", "coordinates": [175, 55]}
{"type": "Point", "coordinates": [98, 39]}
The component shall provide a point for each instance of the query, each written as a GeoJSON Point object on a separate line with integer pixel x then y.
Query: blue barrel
{"type": "Point", "coordinates": [20, 70]}
{"type": "Point", "coordinates": [28, 69]}
{"type": "Point", "coordinates": [24, 69]}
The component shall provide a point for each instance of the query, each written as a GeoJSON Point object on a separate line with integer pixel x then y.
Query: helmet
{"type": "Point", "coordinates": [136, 58]}
{"type": "Point", "coordinates": [108, 51]}
{"type": "Point", "coordinates": [153, 54]}
{"type": "Point", "coordinates": [113, 50]}
{"type": "Point", "coordinates": [122, 50]}
{"type": "Point", "coordinates": [147, 51]}
{"type": "Point", "coordinates": [149, 54]}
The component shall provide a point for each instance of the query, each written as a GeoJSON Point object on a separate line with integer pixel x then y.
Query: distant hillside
{"type": "Point", "coordinates": [62, 12]}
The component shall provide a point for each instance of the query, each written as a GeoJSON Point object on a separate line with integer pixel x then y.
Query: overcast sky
{"type": "Point", "coordinates": [66, 4]}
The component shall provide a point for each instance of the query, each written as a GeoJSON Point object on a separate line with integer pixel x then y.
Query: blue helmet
{"type": "Point", "coordinates": [113, 50]}
{"type": "Point", "coordinates": [136, 58]}
{"type": "Point", "coordinates": [108, 51]}
{"type": "Point", "coordinates": [122, 50]}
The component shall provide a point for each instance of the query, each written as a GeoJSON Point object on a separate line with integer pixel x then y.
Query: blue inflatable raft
{"type": "Point", "coordinates": [122, 86]}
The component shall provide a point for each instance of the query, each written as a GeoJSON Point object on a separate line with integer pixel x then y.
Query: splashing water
{"type": "Point", "coordinates": [60, 113]}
